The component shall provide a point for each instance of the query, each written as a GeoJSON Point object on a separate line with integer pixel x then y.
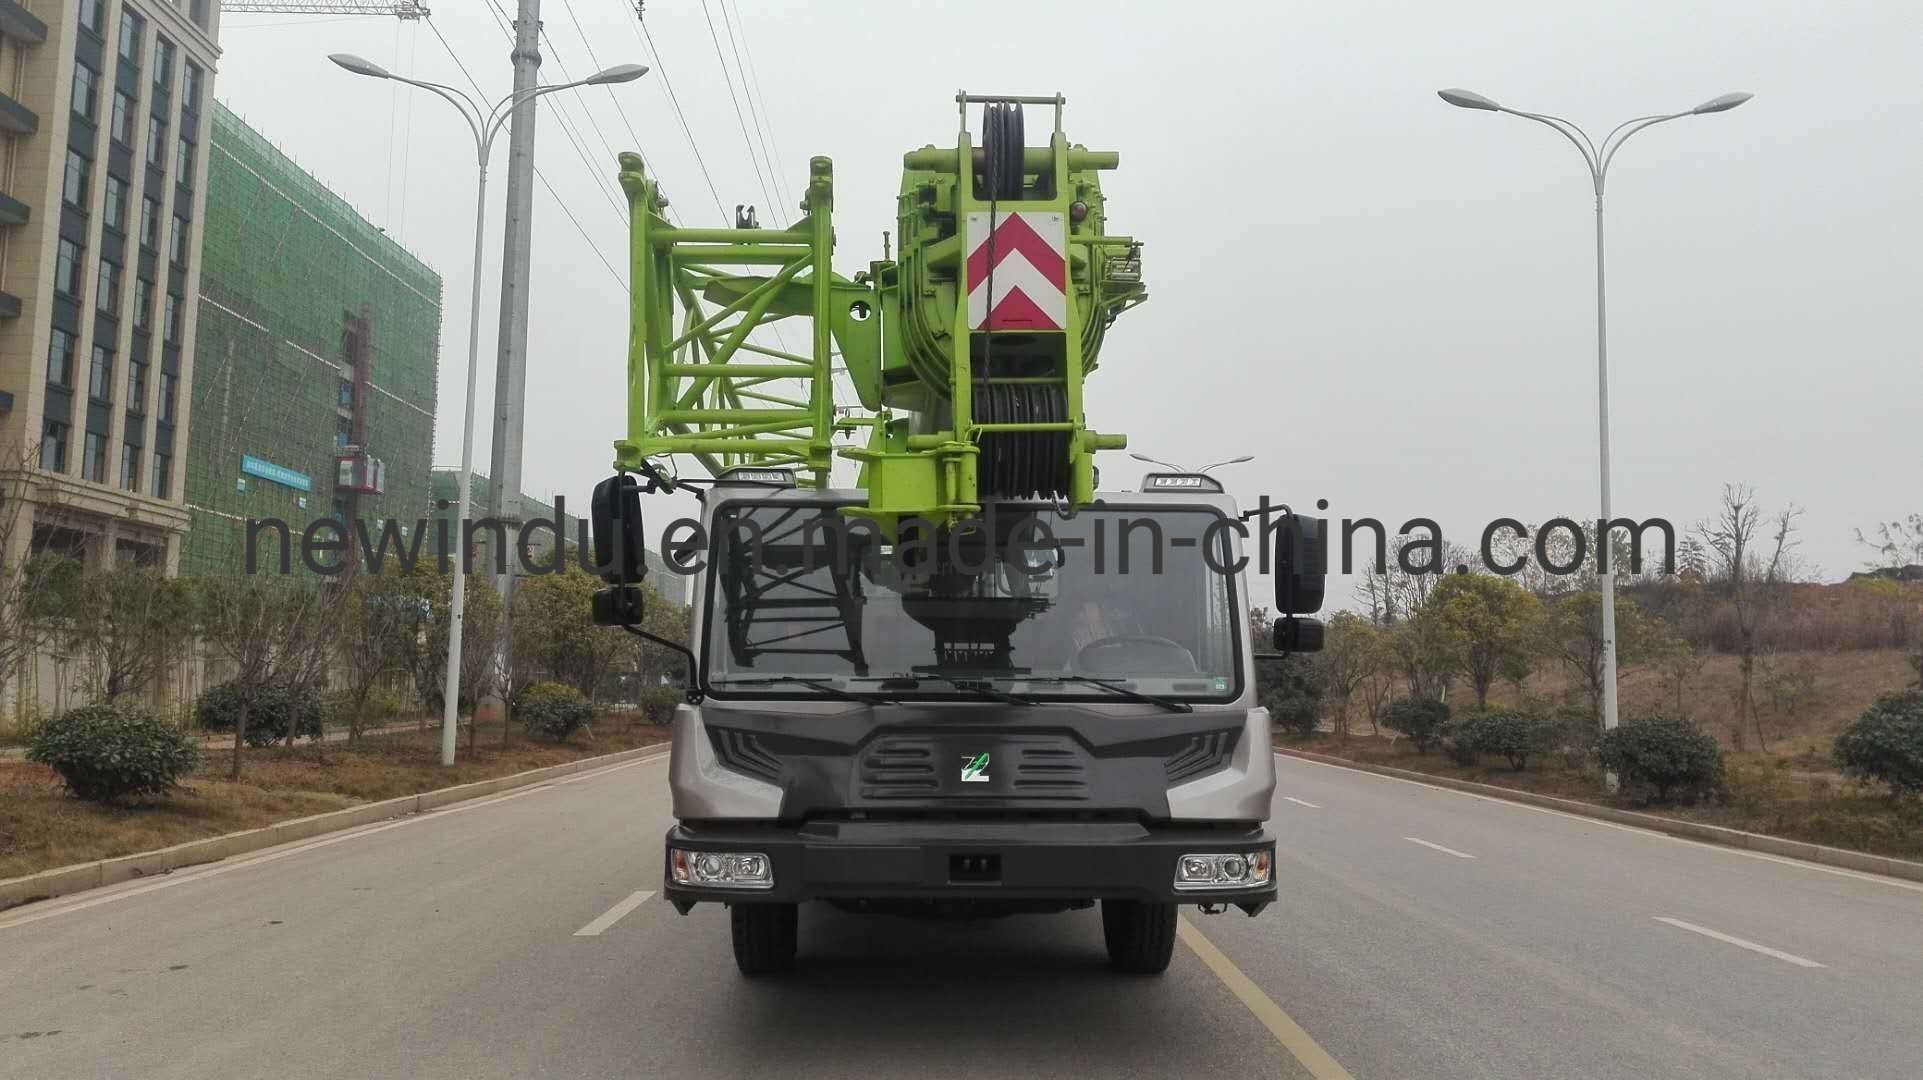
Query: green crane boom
{"type": "Point", "coordinates": [967, 354]}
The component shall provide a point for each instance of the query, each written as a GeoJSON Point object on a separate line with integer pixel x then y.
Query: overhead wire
{"type": "Point", "coordinates": [774, 173]}
{"type": "Point", "coordinates": [646, 37]}
{"type": "Point", "coordinates": [740, 119]}
{"type": "Point", "coordinates": [568, 127]}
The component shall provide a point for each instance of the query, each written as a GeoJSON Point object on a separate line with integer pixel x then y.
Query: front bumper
{"type": "Point", "coordinates": [944, 860]}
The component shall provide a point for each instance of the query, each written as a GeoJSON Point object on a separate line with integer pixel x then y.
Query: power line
{"type": "Point", "coordinates": [568, 127]}
{"type": "Point", "coordinates": [774, 174]}
{"type": "Point", "coordinates": [753, 161]}
{"type": "Point", "coordinates": [634, 140]}
{"type": "Point", "coordinates": [756, 76]}
{"type": "Point", "coordinates": [438, 36]}
{"type": "Point", "coordinates": [646, 36]}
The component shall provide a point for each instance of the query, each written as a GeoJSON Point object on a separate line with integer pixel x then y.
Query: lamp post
{"type": "Point", "coordinates": [1203, 470]}
{"type": "Point", "coordinates": [484, 124]}
{"type": "Point", "coordinates": [1598, 156]}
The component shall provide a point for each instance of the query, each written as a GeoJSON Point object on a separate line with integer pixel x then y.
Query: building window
{"type": "Point", "coordinates": [73, 187]}
{"type": "Point", "coordinates": [107, 297]}
{"type": "Point", "coordinates": [143, 304]}
{"type": "Point", "coordinates": [157, 143]}
{"type": "Point", "coordinates": [86, 91]}
{"type": "Point", "coordinates": [163, 62]}
{"type": "Point", "coordinates": [173, 316]}
{"type": "Point", "coordinates": [167, 383]}
{"type": "Point", "coordinates": [60, 358]}
{"type": "Point", "coordinates": [184, 156]}
{"type": "Point", "coordinates": [131, 26]}
{"type": "Point", "coordinates": [53, 447]}
{"type": "Point", "coordinates": [137, 387]}
{"type": "Point", "coordinates": [161, 475]}
{"type": "Point", "coordinates": [190, 81]}
{"type": "Point", "coordinates": [177, 241]}
{"type": "Point", "coordinates": [347, 394]}
{"type": "Point", "coordinates": [92, 14]}
{"type": "Point", "coordinates": [100, 381]}
{"type": "Point", "coordinates": [150, 222]}
{"type": "Point", "coordinates": [130, 466]}
{"type": "Point", "coordinates": [66, 268]}
{"type": "Point", "coordinates": [93, 458]}
{"type": "Point", "coordinates": [123, 119]}
{"type": "Point", "coordinates": [116, 203]}
{"type": "Point", "coordinates": [343, 431]}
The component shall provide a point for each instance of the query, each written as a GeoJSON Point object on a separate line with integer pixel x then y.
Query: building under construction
{"type": "Point", "coordinates": [315, 368]}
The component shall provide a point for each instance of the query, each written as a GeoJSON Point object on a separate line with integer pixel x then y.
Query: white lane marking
{"type": "Point", "coordinates": [1299, 1043]}
{"type": "Point", "coordinates": [1439, 847]}
{"type": "Point", "coordinates": [1299, 802]}
{"type": "Point", "coordinates": [614, 914]}
{"type": "Point", "coordinates": [1738, 942]}
{"type": "Point", "coordinates": [1651, 834]}
{"type": "Point", "coordinates": [183, 877]}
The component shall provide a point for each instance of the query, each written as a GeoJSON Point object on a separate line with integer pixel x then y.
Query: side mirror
{"type": "Point", "coordinates": [619, 544]}
{"type": "Point", "coordinates": [619, 539]}
{"type": "Point", "coordinates": [1301, 566]}
{"type": "Point", "coordinates": [1298, 635]}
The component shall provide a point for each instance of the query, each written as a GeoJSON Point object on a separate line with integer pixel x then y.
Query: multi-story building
{"type": "Point", "coordinates": [315, 365]}
{"type": "Point", "coordinates": [103, 109]}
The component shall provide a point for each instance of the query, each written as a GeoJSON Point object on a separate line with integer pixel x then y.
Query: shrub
{"type": "Point", "coordinates": [1664, 753]}
{"type": "Point", "coordinates": [1459, 742]}
{"type": "Point", "coordinates": [553, 710]}
{"type": "Point", "coordinates": [1420, 718]}
{"type": "Point", "coordinates": [1517, 736]}
{"type": "Point", "coordinates": [1886, 743]}
{"type": "Point", "coordinates": [657, 704]}
{"type": "Point", "coordinates": [107, 752]}
{"type": "Point", "coordinates": [271, 712]}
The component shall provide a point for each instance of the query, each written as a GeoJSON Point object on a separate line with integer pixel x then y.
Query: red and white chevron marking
{"type": "Point", "coordinates": [1031, 272]}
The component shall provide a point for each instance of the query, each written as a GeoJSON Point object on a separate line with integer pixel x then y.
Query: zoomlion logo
{"type": "Point", "coordinates": [975, 769]}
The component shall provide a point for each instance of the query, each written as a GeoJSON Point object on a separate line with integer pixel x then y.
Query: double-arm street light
{"type": "Point", "coordinates": [1203, 469]}
{"type": "Point", "coordinates": [1598, 155]}
{"type": "Point", "coordinates": [485, 124]}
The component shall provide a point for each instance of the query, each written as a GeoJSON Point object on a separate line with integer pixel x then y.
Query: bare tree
{"type": "Point", "coordinates": [267, 628]}
{"type": "Point", "coordinates": [130, 623]}
{"type": "Point", "coordinates": [1753, 569]}
{"type": "Point", "coordinates": [31, 593]}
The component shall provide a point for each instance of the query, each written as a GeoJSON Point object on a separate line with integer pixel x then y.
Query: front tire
{"type": "Point", "coordinates": [765, 936]}
{"type": "Point", "coordinates": [1140, 936]}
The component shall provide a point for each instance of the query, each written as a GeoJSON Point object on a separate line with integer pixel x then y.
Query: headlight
{"type": "Point", "coordinates": [1233, 870]}
{"type": "Point", "coordinates": [721, 869]}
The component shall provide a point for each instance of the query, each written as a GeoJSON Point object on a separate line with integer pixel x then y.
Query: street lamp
{"type": "Point", "coordinates": [1203, 469]}
{"type": "Point", "coordinates": [1598, 156]}
{"type": "Point", "coordinates": [484, 124]}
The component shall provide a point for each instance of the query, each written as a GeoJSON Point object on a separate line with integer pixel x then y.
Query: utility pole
{"type": "Point", "coordinates": [510, 371]}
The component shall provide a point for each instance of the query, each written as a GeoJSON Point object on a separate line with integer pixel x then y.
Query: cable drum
{"type": "Point", "coordinates": [1022, 464]}
{"type": "Point", "coordinates": [1003, 140]}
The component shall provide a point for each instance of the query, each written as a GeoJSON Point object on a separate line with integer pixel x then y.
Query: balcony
{"type": "Point", "coordinates": [15, 118]}
{"type": "Point", "coordinates": [19, 24]}
{"type": "Point", "coordinates": [12, 210]}
{"type": "Point", "coordinates": [9, 306]}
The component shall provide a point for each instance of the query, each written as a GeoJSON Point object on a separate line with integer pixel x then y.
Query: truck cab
{"type": "Point", "coordinates": [1035, 711]}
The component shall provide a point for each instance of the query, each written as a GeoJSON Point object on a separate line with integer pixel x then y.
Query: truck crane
{"type": "Point", "coordinates": [972, 683]}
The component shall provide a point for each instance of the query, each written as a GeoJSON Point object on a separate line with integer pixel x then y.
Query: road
{"type": "Point", "coordinates": [1421, 933]}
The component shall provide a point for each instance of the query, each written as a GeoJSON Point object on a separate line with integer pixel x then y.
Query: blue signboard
{"type": "Point", "coordinates": [279, 474]}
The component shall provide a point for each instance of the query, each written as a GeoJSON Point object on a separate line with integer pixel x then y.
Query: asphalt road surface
{"type": "Point", "coordinates": [1421, 933]}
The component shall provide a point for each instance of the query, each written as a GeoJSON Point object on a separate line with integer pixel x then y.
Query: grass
{"type": "Point", "coordinates": [43, 827]}
{"type": "Point", "coordinates": [1776, 794]}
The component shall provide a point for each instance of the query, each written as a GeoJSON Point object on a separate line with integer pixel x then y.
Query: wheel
{"type": "Point", "coordinates": [1140, 936]}
{"type": "Point", "coordinates": [764, 937]}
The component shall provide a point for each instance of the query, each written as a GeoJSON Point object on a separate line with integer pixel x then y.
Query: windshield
{"type": "Point", "coordinates": [1054, 607]}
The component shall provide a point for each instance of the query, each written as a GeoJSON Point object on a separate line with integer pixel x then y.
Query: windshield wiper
{"type": "Point", "coordinates": [1114, 686]}
{"type": "Point", "coordinates": [817, 685]}
{"type": "Point", "coordinates": [978, 687]}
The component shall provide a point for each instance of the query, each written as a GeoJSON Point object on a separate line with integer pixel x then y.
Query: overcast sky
{"type": "Point", "coordinates": [1388, 301]}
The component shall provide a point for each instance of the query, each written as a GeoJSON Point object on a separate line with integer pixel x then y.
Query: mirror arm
{"type": "Point", "coordinates": [694, 694]}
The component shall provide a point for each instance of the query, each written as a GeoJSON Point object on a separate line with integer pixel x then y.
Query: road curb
{"type": "Point", "coordinates": [65, 880]}
{"type": "Point", "coordinates": [1690, 830]}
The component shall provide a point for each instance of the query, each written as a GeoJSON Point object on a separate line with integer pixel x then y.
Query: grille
{"type": "Point", "coordinates": [1204, 754]}
{"type": "Point", "coordinates": [898, 768]}
{"type": "Point", "coordinates": [1050, 772]}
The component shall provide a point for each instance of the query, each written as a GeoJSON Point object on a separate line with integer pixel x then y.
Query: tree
{"type": "Point", "coordinates": [379, 612]}
{"type": "Point", "coordinates": [1351, 654]}
{"type": "Point", "coordinates": [554, 627]}
{"type": "Point", "coordinates": [29, 583]}
{"type": "Point", "coordinates": [129, 623]}
{"type": "Point", "coordinates": [1678, 664]}
{"type": "Point", "coordinates": [1573, 637]}
{"type": "Point", "coordinates": [1899, 547]}
{"type": "Point", "coordinates": [1425, 653]}
{"type": "Point", "coordinates": [1754, 581]}
{"type": "Point", "coordinates": [424, 644]}
{"type": "Point", "coordinates": [1490, 622]}
{"type": "Point", "coordinates": [267, 627]}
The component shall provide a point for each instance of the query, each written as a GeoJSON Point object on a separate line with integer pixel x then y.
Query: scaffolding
{"type": "Point", "coordinates": [288, 271]}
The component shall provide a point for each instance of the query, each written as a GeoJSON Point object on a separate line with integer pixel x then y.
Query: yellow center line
{"type": "Point", "coordinates": [1286, 1031]}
